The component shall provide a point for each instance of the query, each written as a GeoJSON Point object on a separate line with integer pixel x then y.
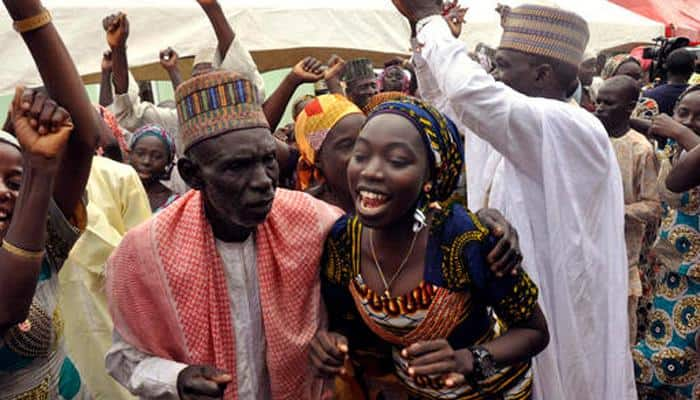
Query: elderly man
{"type": "Point", "coordinates": [550, 167]}
{"type": "Point", "coordinates": [227, 276]}
{"type": "Point", "coordinates": [360, 81]}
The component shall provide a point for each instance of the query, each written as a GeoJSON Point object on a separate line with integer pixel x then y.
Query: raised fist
{"type": "Point", "coordinates": [117, 28]}
{"type": "Point", "coordinates": [42, 127]}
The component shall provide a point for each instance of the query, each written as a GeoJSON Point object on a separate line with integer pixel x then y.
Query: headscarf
{"type": "Point", "coordinates": [380, 98]}
{"type": "Point", "coordinates": [9, 139]}
{"type": "Point", "coordinates": [312, 126]}
{"type": "Point", "coordinates": [646, 108]}
{"type": "Point", "coordinates": [614, 63]}
{"type": "Point", "coordinates": [113, 124]}
{"type": "Point", "coordinates": [158, 132]}
{"type": "Point", "coordinates": [442, 142]}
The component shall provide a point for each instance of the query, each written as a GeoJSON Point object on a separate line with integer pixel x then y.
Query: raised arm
{"type": "Point", "coordinates": [64, 86]}
{"type": "Point", "coordinates": [222, 29]}
{"type": "Point", "coordinates": [117, 28]}
{"type": "Point", "coordinates": [332, 75]}
{"type": "Point", "coordinates": [106, 97]}
{"type": "Point", "coordinates": [24, 242]}
{"type": "Point", "coordinates": [168, 60]}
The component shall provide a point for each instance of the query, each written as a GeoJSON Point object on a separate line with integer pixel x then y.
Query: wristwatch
{"type": "Point", "coordinates": [484, 366]}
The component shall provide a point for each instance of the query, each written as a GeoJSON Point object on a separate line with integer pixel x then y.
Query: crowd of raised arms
{"type": "Point", "coordinates": [520, 225]}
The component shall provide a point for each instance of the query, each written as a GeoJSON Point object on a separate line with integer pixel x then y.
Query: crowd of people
{"type": "Point", "coordinates": [458, 226]}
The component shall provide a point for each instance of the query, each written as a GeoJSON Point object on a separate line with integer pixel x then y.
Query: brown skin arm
{"type": "Point", "coordinates": [640, 125]}
{"type": "Point", "coordinates": [169, 60]}
{"type": "Point", "coordinates": [308, 70]}
{"type": "Point", "coordinates": [41, 163]}
{"type": "Point", "coordinates": [106, 98]}
{"type": "Point", "coordinates": [223, 30]}
{"type": "Point", "coordinates": [117, 28]}
{"type": "Point", "coordinates": [64, 86]}
{"type": "Point", "coordinates": [684, 175]}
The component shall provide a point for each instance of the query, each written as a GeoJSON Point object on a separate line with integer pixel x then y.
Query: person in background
{"type": "Point", "coordinates": [43, 212]}
{"type": "Point", "coordinates": [680, 65]}
{"type": "Point", "coordinates": [394, 78]}
{"type": "Point", "coordinates": [586, 74]}
{"type": "Point", "coordinates": [617, 100]}
{"type": "Point", "coordinates": [360, 81]}
{"type": "Point", "coordinates": [520, 162]}
{"type": "Point", "coordinates": [419, 328]}
{"type": "Point", "coordinates": [666, 359]}
{"type": "Point", "coordinates": [622, 64]}
{"type": "Point", "coordinates": [117, 203]}
{"type": "Point", "coordinates": [152, 154]}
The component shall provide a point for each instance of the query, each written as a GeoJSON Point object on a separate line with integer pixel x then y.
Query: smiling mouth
{"type": "Point", "coordinates": [5, 218]}
{"type": "Point", "coordinates": [371, 203]}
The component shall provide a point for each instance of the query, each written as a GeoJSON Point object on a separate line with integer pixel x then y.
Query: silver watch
{"type": "Point", "coordinates": [484, 366]}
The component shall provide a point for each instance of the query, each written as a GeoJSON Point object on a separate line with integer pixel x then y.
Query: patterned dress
{"type": "Point", "coordinates": [456, 300]}
{"type": "Point", "coordinates": [666, 360]}
{"type": "Point", "coordinates": [33, 361]}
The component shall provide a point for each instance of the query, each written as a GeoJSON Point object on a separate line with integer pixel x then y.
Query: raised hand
{"type": "Point", "coordinates": [308, 70]}
{"type": "Point", "coordinates": [415, 10]}
{"type": "Point", "coordinates": [169, 59]}
{"type": "Point", "coordinates": [329, 350]}
{"type": "Point", "coordinates": [42, 127]}
{"type": "Point", "coordinates": [107, 61]}
{"type": "Point", "coordinates": [202, 381]}
{"type": "Point", "coordinates": [454, 15]}
{"type": "Point", "coordinates": [117, 28]}
{"type": "Point", "coordinates": [336, 65]}
{"type": "Point", "coordinates": [665, 126]}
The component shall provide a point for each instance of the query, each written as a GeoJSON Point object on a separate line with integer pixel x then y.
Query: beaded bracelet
{"type": "Point", "coordinates": [33, 23]}
{"type": "Point", "coordinates": [26, 254]}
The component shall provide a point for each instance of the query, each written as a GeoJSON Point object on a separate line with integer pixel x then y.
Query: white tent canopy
{"type": "Point", "coordinates": [277, 30]}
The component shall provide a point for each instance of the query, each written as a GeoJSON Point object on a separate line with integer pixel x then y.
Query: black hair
{"type": "Point", "coordinates": [689, 90]}
{"type": "Point", "coordinates": [681, 62]}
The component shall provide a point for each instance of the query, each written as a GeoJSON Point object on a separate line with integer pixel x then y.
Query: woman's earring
{"type": "Point", "coordinates": [427, 187]}
{"type": "Point", "coordinates": [420, 223]}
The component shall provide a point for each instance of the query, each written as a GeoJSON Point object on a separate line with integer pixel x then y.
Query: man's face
{"type": "Point", "coordinates": [237, 173]}
{"type": "Point", "coordinates": [612, 109]}
{"type": "Point", "coordinates": [360, 91]}
{"type": "Point", "coordinates": [515, 70]}
{"type": "Point", "coordinates": [587, 72]}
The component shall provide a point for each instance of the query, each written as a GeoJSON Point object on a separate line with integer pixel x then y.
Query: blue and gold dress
{"type": "Point", "coordinates": [457, 300]}
{"type": "Point", "coordinates": [33, 361]}
{"type": "Point", "coordinates": [666, 360]}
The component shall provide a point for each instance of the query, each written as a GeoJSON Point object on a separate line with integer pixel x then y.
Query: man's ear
{"type": "Point", "coordinates": [543, 74]}
{"type": "Point", "coordinates": [190, 173]}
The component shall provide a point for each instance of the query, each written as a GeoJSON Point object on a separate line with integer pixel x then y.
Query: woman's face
{"type": "Point", "coordinates": [336, 150]}
{"type": "Point", "coordinates": [387, 170]}
{"type": "Point", "coordinates": [10, 181]}
{"type": "Point", "coordinates": [149, 157]}
{"type": "Point", "coordinates": [688, 111]}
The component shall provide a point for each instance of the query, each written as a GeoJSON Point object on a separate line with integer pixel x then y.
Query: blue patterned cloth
{"type": "Point", "coordinates": [666, 360]}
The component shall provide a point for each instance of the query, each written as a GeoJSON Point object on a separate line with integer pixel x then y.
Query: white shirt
{"type": "Point", "coordinates": [550, 168]}
{"type": "Point", "coordinates": [156, 378]}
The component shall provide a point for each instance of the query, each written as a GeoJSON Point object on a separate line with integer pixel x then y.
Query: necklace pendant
{"type": "Point", "coordinates": [387, 294]}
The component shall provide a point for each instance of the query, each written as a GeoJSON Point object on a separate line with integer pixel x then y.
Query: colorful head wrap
{"type": "Point", "coordinates": [217, 103]}
{"type": "Point", "coordinates": [442, 142]}
{"type": "Point", "coordinates": [614, 64]}
{"type": "Point", "coordinates": [380, 98]}
{"type": "Point", "coordinates": [312, 127]}
{"type": "Point", "coordinates": [646, 109]}
{"type": "Point", "coordinates": [155, 131]}
{"type": "Point", "coordinates": [359, 68]}
{"type": "Point", "coordinates": [9, 139]}
{"type": "Point", "coordinates": [113, 124]}
{"type": "Point", "coordinates": [545, 31]}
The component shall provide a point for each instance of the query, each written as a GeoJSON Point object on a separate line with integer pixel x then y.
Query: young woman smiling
{"type": "Point", "coordinates": [407, 283]}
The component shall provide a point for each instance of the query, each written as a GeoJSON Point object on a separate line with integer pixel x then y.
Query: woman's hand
{"type": "Point", "coordinates": [329, 350]}
{"type": "Point", "coordinates": [42, 126]}
{"type": "Point", "coordinates": [438, 358]}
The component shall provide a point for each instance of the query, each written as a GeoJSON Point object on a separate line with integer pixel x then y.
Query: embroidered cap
{"type": "Point", "coordinates": [359, 68]}
{"type": "Point", "coordinates": [216, 103]}
{"type": "Point", "coordinates": [545, 31]}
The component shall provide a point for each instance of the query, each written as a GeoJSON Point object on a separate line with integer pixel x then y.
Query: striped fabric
{"type": "Point", "coordinates": [545, 31]}
{"type": "Point", "coordinates": [212, 104]}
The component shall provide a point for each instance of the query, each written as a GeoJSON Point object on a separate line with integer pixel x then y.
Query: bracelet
{"type": "Point", "coordinates": [33, 23]}
{"type": "Point", "coordinates": [16, 251]}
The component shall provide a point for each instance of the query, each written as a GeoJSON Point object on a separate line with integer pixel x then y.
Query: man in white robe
{"type": "Point", "coordinates": [549, 167]}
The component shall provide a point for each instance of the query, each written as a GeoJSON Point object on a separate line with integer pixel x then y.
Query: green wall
{"type": "Point", "coordinates": [164, 91]}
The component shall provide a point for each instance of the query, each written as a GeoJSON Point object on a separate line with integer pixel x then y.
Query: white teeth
{"type": "Point", "coordinates": [372, 195]}
{"type": "Point", "coordinates": [3, 215]}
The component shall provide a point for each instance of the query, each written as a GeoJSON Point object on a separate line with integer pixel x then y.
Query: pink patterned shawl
{"type": "Point", "coordinates": [168, 297]}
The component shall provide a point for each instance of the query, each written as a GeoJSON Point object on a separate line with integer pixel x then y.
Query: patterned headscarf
{"type": "Point", "coordinates": [157, 132]}
{"type": "Point", "coordinates": [442, 141]}
{"type": "Point", "coordinates": [646, 109]}
{"type": "Point", "coordinates": [614, 63]}
{"type": "Point", "coordinates": [380, 98]}
{"type": "Point", "coordinates": [113, 124]}
{"type": "Point", "coordinates": [312, 126]}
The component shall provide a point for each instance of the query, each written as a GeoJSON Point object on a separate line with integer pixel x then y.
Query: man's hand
{"type": "Point", "coordinates": [107, 61]}
{"type": "Point", "coordinates": [329, 350]}
{"type": "Point", "coordinates": [308, 70]}
{"type": "Point", "coordinates": [169, 59]}
{"type": "Point", "coordinates": [415, 10]}
{"type": "Point", "coordinates": [666, 127]}
{"type": "Point", "coordinates": [336, 65]}
{"type": "Point", "coordinates": [202, 382]}
{"type": "Point", "coordinates": [42, 126]}
{"type": "Point", "coordinates": [117, 28]}
{"type": "Point", "coordinates": [454, 15]}
{"type": "Point", "coordinates": [506, 257]}
{"type": "Point", "coordinates": [438, 358]}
